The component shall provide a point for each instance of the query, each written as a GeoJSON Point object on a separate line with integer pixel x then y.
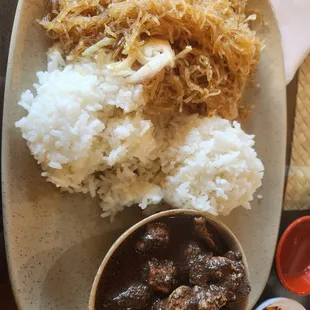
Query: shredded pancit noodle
{"type": "Point", "coordinates": [215, 50]}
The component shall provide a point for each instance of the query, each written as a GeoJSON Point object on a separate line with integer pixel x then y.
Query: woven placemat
{"type": "Point", "coordinates": [297, 195]}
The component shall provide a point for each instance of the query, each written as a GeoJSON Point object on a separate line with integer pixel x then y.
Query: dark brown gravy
{"type": "Point", "coordinates": [124, 267]}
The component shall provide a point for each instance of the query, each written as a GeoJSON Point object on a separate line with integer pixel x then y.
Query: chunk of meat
{"type": "Point", "coordinates": [196, 298]}
{"type": "Point", "coordinates": [202, 232]}
{"type": "Point", "coordinates": [218, 268]}
{"type": "Point", "coordinates": [181, 299]}
{"type": "Point", "coordinates": [227, 273]}
{"type": "Point", "coordinates": [209, 299]}
{"type": "Point", "coordinates": [189, 250]}
{"type": "Point", "coordinates": [197, 272]}
{"type": "Point", "coordinates": [155, 237]}
{"type": "Point", "coordinates": [192, 250]}
{"type": "Point", "coordinates": [161, 275]}
{"type": "Point", "coordinates": [235, 256]}
{"type": "Point", "coordinates": [242, 292]}
{"type": "Point", "coordinates": [159, 304]}
{"type": "Point", "coordinates": [235, 283]}
{"type": "Point", "coordinates": [195, 258]}
{"type": "Point", "coordinates": [215, 268]}
{"type": "Point", "coordinates": [135, 297]}
{"type": "Point", "coordinates": [194, 253]}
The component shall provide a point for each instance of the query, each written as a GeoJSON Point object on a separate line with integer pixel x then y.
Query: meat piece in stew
{"type": "Point", "coordinates": [181, 299]}
{"type": "Point", "coordinates": [135, 297]}
{"type": "Point", "coordinates": [159, 304]}
{"type": "Point", "coordinates": [209, 299]}
{"type": "Point", "coordinates": [160, 275]}
{"type": "Point", "coordinates": [155, 237]}
{"type": "Point", "coordinates": [202, 232]}
{"type": "Point", "coordinates": [228, 274]}
{"type": "Point", "coordinates": [196, 298]}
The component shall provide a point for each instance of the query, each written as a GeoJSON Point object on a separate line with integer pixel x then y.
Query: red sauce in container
{"type": "Point", "coordinates": [293, 257]}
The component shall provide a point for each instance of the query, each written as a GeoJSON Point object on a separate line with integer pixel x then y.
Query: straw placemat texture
{"type": "Point", "coordinates": [297, 195]}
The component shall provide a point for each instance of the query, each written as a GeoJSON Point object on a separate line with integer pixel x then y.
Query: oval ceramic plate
{"type": "Point", "coordinates": [55, 241]}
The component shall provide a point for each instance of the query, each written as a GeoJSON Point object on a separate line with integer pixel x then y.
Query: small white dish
{"type": "Point", "coordinates": [282, 303]}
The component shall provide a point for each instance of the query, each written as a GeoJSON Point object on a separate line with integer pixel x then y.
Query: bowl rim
{"type": "Point", "coordinates": [278, 252]}
{"type": "Point", "coordinates": [209, 218]}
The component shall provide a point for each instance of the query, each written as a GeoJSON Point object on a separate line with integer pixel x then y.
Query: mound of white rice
{"type": "Point", "coordinates": [210, 165]}
{"type": "Point", "coordinates": [87, 128]}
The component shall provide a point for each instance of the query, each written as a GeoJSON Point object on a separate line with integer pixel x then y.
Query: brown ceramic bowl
{"type": "Point", "coordinates": [230, 239]}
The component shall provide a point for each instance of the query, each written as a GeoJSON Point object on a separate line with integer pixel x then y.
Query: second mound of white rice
{"type": "Point", "coordinates": [87, 128]}
{"type": "Point", "coordinates": [210, 165]}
